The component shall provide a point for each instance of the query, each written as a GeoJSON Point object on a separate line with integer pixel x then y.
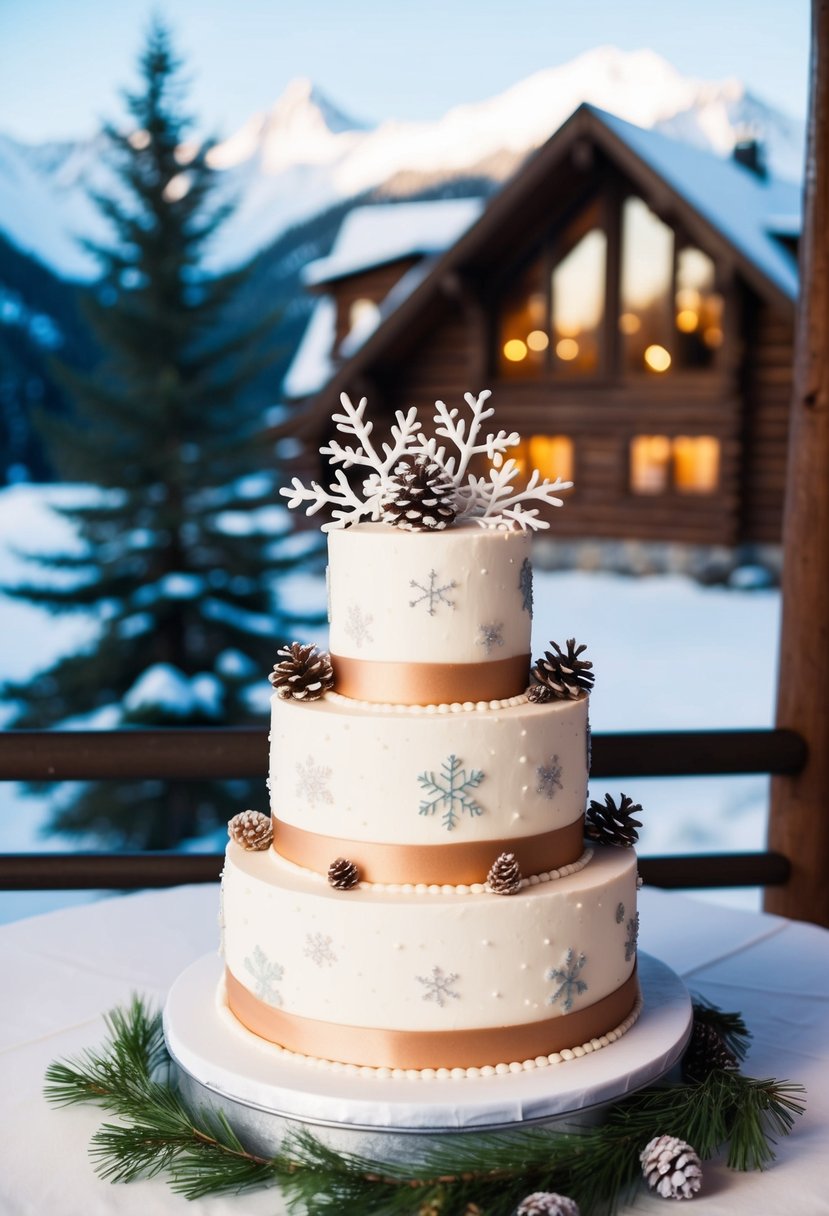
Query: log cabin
{"type": "Point", "coordinates": [629, 299]}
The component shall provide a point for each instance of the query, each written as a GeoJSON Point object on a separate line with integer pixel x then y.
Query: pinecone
{"type": "Point", "coordinates": [420, 497]}
{"type": "Point", "coordinates": [565, 674]}
{"type": "Point", "coordinates": [539, 694]}
{"type": "Point", "coordinates": [343, 874]}
{"type": "Point", "coordinates": [607, 823]}
{"type": "Point", "coordinates": [252, 830]}
{"type": "Point", "coordinates": [304, 673]}
{"type": "Point", "coordinates": [547, 1203]}
{"type": "Point", "coordinates": [671, 1168]}
{"type": "Point", "coordinates": [504, 877]}
{"type": "Point", "coordinates": [706, 1052]}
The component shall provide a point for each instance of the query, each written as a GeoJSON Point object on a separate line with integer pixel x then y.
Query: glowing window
{"type": "Point", "coordinates": [363, 316]}
{"type": "Point", "coordinates": [696, 464]}
{"type": "Point", "coordinates": [646, 286]}
{"type": "Point", "coordinates": [523, 338]}
{"type": "Point", "coordinates": [698, 309]}
{"type": "Point", "coordinates": [552, 455]}
{"type": "Point", "coordinates": [578, 285]}
{"type": "Point", "coordinates": [650, 464]}
{"type": "Point", "coordinates": [690, 464]}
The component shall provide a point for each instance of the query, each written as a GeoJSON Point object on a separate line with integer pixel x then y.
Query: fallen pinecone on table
{"type": "Point", "coordinates": [547, 1203]}
{"type": "Point", "coordinates": [420, 497]}
{"type": "Point", "coordinates": [705, 1053]}
{"type": "Point", "coordinates": [564, 673]}
{"type": "Point", "coordinates": [504, 877]}
{"type": "Point", "coordinates": [607, 823]}
{"type": "Point", "coordinates": [671, 1168]}
{"type": "Point", "coordinates": [251, 830]}
{"type": "Point", "coordinates": [304, 673]}
{"type": "Point", "coordinates": [343, 874]}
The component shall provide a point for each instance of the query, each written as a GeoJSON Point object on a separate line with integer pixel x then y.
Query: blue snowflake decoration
{"type": "Point", "coordinates": [549, 778]}
{"type": "Point", "coordinates": [449, 792]}
{"type": "Point", "coordinates": [632, 938]}
{"type": "Point", "coordinates": [525, 586]}
{"type": "Point", "coordinates": [266, 976]}
{"type": "Point", "coordinates": [570, 986]}
{"type": "Point", "coordinates": [438, 987]}
{"type": "Point", "coordinates": [432, 595]}
{"type": "Point", "coordinates": [491, 636]}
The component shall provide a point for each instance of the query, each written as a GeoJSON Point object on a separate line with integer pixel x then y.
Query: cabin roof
{"type": "Point", "coordinates": [714, 196]}
{"type": "Point", "coordinates": [375, 235]}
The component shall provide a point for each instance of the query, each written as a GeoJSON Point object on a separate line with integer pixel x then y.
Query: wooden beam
{"type": "Point", "coordinates": [799, 817]}
{"type": "Point", "coordinates": [181, 754]}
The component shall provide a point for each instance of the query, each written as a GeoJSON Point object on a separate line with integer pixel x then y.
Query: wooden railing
{"type": "Point", "coordinates": [222, 754]}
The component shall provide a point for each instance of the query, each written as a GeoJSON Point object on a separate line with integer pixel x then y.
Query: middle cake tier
{"type": "Point", "coordinates": [429, 794]}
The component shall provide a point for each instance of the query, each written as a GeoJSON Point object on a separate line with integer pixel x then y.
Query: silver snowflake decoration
{"type": "Point", "coordinates": [620, 913]}
{"type": "Point", "coordinates": [492, 500]}
{"type": "Point", "coordinates": [438, 986]}
{"type": "Point", "coordinates": [319, 949]}
{"type": "Point", "coordinates": [432, 595]}
{"type": "Point", "coordinates": [569, 984]}
{"type": "Point", "coordinates": [312, 785]}
{"type": "Point", "coordinates": [491, 636]}
{"type": "Point", "coordinates": [525, 585]}
{"type": "Point", "coordinates": [266, 976]}
{"type": "Point", "coordinates": [632, 937]}
{"type": "Point", "coordinates": [449, 792]}
{"type": "Point", "coordinates": [357, 624]}
{"type": "Point", "coordinates": [549, 778]}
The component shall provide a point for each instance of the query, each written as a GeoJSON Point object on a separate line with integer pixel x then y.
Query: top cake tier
{"type": "Point", "coordinates": [423, 618]}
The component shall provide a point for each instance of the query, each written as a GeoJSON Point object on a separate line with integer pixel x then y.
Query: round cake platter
{"type": "Point", "coordinates": [267, 1094]}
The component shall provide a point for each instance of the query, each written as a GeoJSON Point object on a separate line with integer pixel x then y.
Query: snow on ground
{"type": "Point", "coordinates": [669, 654]}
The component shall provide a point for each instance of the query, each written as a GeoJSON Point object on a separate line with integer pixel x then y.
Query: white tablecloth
{"type": "Point", "coordinates": [61, 971]}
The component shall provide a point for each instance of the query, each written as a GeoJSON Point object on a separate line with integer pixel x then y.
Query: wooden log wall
{"type": "Point", "coordinates": [767, 381]}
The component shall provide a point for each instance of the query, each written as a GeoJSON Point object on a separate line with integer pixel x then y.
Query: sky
{"type": "Point", "coordinates": [63, 62]}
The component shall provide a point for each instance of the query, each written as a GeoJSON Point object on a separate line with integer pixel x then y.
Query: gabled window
{"type": "Point", "coordinates": [663, 295]}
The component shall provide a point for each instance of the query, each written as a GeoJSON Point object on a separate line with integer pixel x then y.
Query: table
{"type": "Point", "coordinates": [63, 970]}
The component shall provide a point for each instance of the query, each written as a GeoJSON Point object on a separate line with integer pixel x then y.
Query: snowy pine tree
{"type": "Point", "coordinates": [175, 565]}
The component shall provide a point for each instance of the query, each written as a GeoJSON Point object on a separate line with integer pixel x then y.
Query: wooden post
{"type": "Point", "coordinates": [799, 816]}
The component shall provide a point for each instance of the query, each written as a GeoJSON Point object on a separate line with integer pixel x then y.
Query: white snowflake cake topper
{"type": "Point", "coordinates": [493, 500]}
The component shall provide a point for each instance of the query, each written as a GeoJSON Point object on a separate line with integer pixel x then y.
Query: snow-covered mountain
{"type": "Point", "coordinates": [304, 154]}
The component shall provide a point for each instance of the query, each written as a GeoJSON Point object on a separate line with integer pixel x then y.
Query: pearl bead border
{"type": "Point", "coordinates": [452, 707]}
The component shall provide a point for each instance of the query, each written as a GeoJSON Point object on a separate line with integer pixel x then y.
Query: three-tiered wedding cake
{"type": "Point", "coordinates": [427, 902]}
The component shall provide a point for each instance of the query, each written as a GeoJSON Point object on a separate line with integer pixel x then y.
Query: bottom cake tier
{"type": "Point", "coordinates": [391, 977]}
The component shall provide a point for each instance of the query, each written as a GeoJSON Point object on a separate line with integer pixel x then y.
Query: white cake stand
{"type": "Point", "coordinates": [266, 1094]}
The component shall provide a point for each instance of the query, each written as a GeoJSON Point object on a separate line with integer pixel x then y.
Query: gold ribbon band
{"type": "Point", "coordinates": [430, 683]}
{"type": "Point", "coordinates": [430, 1048]}
{"type": "Point", "coordinates": [463, 862]}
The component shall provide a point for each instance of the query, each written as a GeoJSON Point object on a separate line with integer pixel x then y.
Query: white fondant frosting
{"type": "Point", "coordinates": [424, 597]}
{"type": "Point", "coordinates": [370, 958]}
{"type": "Point", "coordinates": [363, 772]}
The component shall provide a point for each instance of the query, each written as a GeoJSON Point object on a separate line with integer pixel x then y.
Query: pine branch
{"type": "Point", "coordinates": [201, 1154]}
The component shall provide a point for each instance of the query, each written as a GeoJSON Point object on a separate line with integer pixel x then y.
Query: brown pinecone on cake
{"type": "Point", "coordinates": [671, 1167]}
{"type": "Point", "coordinates": [420, 496]}
{"type": "Point", "coordinates": [251, 830]}
{"type": "Point", "coordinates": [564, 672]}
{"type": "Point", "coordinates": [504, 877]}
{"type": "Point", "coordinates": [705, 1053]}
{"type": "Point", "coordinates": [547, 1203]}
{"type": "Point", "coordinates": [539, 694]}
{"type": "Point", "coordinates": [607, 823]}
{"type": "Point", "coordinates": [343, 874]}
{"type": "Point", "coordinates": [304, 673]}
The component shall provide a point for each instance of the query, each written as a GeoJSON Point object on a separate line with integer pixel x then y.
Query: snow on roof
{"type": "Point", "coordinates": [311, 366]}
{"type": "Point", "coordinates": [371, 236]}
{"type": "Point", "coordinates": [740, 204]}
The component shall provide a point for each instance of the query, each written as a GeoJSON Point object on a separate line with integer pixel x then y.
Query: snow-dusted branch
{"type": "Point", "coordinates": [493, 500]}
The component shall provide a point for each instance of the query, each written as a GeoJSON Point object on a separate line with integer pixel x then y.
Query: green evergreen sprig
{"type": "Point", "coordinates": [131, 1076]}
